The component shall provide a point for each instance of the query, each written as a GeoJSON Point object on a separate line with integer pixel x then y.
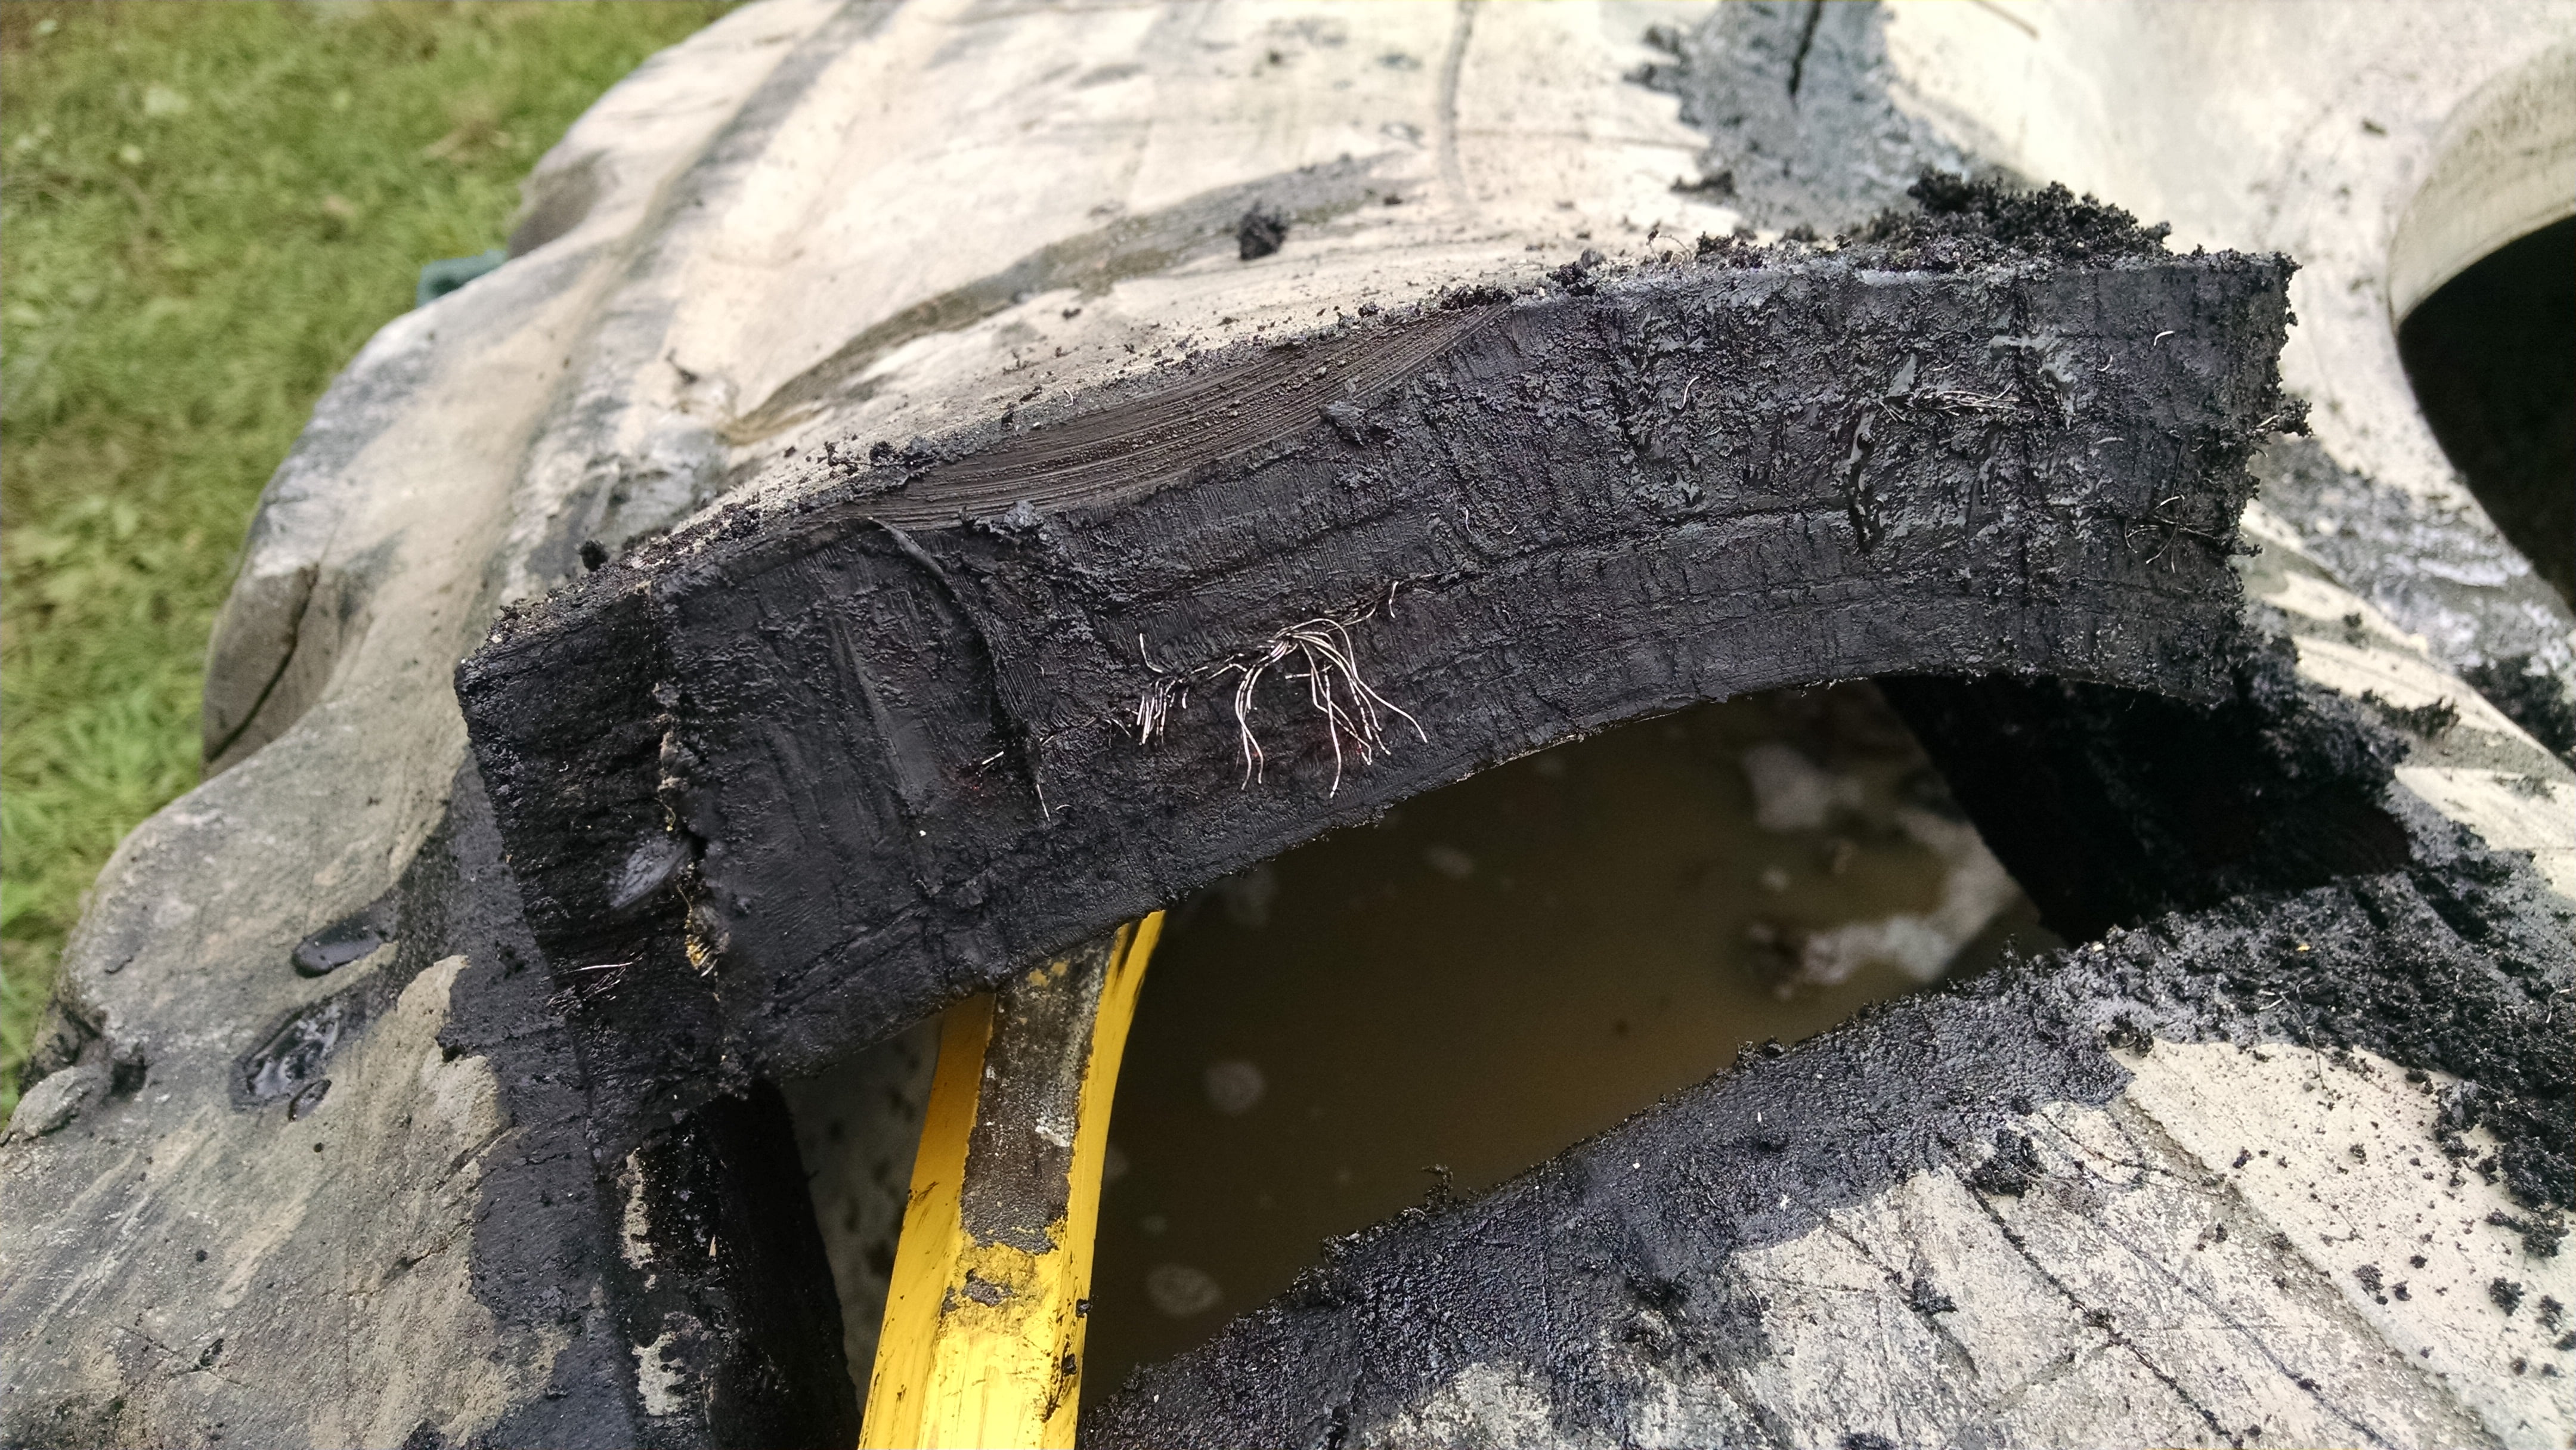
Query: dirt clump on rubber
{"type": "Point", "coordinates": [1971, 223]}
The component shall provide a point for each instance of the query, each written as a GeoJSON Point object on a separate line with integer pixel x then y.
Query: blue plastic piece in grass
{"type": "Point", "coordinates": [449, 273]}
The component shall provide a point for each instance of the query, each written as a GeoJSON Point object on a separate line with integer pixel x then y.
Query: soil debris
{"type": "Point", "coordinates": [2532, 698]}
{"type": "Point", "coordinates": [2541, 1232]}
{"type": "Point", "coordinates": [1968, 223]}
{"type": "Point", "coordinates": [1261, 232]}
{"type": "Point", "coordinates": [2014, 1167]}
{"type": "Point", "coordinates": [2427, 720]}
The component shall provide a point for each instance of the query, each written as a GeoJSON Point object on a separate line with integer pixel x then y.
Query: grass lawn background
{"type": "Point", "coordinates": [204, 211]}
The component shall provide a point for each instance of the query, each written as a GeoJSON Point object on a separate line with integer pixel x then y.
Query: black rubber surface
{"type": "Point", "coordinates": [875, 751]}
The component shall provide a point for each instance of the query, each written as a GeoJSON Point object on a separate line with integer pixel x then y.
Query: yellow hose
{"type": "Point", "coordinates": [983, 1340]}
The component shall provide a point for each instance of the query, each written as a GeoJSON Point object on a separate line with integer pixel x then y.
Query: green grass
{"type": "Point", "coordinates": [204, 211]}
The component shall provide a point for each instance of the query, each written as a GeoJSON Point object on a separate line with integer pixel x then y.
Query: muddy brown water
{"type": "Point", "coordinates": [1502, 968]}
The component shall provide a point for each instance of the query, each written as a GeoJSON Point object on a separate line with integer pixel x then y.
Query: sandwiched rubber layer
{"type": "Point", "coordinates": [788, 782]}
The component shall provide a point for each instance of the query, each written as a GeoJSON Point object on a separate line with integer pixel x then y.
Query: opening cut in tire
{"type": "Point", "coordinates": [2492, 357]}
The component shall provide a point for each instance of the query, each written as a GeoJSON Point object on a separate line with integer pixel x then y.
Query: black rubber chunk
{"type": "Point", "coordinates": [986, 697]}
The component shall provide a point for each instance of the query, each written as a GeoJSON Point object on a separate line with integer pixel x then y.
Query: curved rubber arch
{"type": "Point", "coordinates": [870, 765]}
{"type": "Point", "coordinates": [983, 1337]}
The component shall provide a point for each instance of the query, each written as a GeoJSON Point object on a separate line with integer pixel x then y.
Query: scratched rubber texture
{"type": "Point", "coordinates": [866, 754]}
